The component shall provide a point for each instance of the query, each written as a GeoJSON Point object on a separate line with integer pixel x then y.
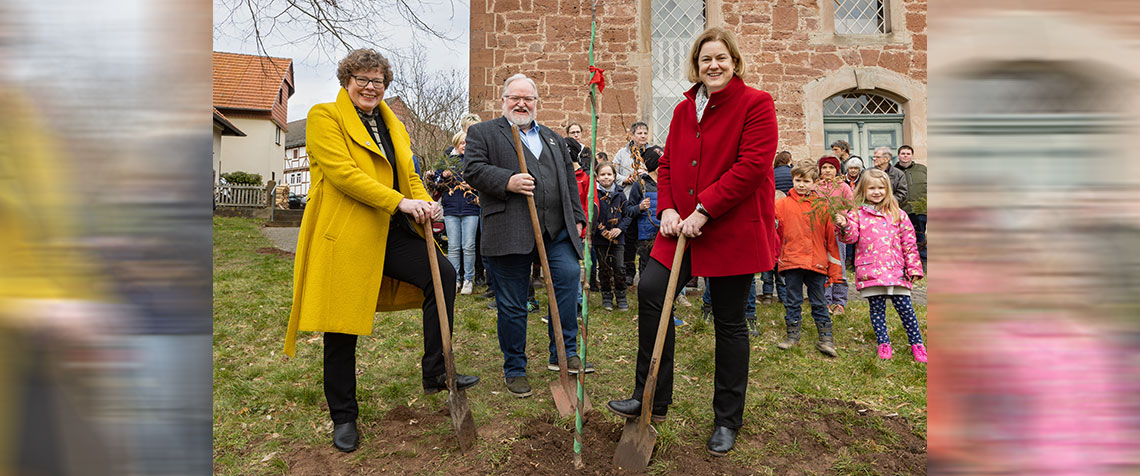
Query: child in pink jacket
{"type": "Point", "coordinates": [886, 258]}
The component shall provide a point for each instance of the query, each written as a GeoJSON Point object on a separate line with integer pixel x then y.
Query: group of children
{"type": "Point", "coordinates": [810, 220]}
{"type": "Point", "coordinates": [817, 216]}
{"type": "Point", "coordinates": [618, 212]}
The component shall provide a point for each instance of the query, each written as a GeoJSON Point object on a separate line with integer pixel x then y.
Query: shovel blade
{"type": "Point", "coordinates": [565, 398]}
{"type": "Point", "coordinates": [635, 447]}
{"type": "Point", "coordinates": [461, 419]}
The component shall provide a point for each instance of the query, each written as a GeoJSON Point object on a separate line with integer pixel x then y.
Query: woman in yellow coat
{"type": "Point", "coordinates": [358, 250]}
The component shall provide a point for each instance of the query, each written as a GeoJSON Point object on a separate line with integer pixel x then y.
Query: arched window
{"type": "Point", "coordinates": [865, 120]}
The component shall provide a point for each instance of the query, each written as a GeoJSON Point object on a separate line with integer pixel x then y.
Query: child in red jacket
{"type": "Point", "coordinates": [808, 255]}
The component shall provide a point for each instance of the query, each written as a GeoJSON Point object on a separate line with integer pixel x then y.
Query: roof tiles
{"type": "Point", "coordinates": [250, 82]}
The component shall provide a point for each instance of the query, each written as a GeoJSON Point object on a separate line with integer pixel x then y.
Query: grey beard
{"type": "Point", "coordinates": [512, 120]}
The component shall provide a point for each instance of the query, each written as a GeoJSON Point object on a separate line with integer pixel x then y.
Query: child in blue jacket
{"type": "Point", "coordinates": [611, 220]}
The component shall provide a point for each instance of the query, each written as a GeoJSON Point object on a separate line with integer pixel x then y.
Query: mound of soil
{"type": "Point", "coordinates": [831, 436]}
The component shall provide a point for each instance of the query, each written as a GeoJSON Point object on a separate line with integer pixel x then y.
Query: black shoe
{"type": "Point", "coordinates": [489, 294]}
{"type": "Point", "coordinates": [345, 437]}
{"type": "Point", "coordinates": [632, 409]}
{"type": "Point", "coordinates": [492, 304]}
{"type": "Point", "coordinates": [722, 440]}
{"type": "Point", "coordinates": [439, 382]}
{"type": "Point", "coordinates": [622, 304]}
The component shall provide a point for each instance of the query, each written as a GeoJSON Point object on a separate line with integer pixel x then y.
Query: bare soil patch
{"type": "Point", "coordinates": [823, 437]}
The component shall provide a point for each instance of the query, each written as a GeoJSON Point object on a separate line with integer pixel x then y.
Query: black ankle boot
{"type": "Point", "coordinates": [722, 440]}
{"type": "Point", "coordinates": [345, 437]}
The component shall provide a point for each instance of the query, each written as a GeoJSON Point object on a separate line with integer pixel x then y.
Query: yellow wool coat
{"type": "Point", "coordinates": [338, 282]}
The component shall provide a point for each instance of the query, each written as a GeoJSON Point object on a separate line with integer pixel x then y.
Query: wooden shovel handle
{"type": "Point", "coordinates": [662, 328]}
{"type": "Point", "coordinates": [441, 307]}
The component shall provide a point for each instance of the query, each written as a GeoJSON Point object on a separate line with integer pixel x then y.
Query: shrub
{"type": "Point", "coordinates": [244, 178]}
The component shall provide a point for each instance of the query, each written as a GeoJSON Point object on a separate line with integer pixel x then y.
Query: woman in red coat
{"type": "Point", "coordinates": [715, 186]}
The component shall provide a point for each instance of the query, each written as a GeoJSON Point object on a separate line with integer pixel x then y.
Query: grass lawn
{"type": "Point", "coordinates": [805, 413]}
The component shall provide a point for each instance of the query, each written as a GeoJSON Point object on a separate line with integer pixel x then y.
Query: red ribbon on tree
{"type": "Point", "coordinates": [598, 78]}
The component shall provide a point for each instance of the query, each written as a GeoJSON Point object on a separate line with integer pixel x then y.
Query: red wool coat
{"type": "Point", "coordinates": [725, 163]}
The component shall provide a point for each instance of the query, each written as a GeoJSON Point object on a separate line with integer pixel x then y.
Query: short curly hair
{"type": "Point", "coordinates": [364, 59]}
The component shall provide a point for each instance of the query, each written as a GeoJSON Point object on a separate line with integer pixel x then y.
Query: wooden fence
{"type": "Point", "coordinates": [230, 195]}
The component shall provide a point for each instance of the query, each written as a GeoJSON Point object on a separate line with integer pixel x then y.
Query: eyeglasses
{"type": "Point", "coordinates": [526, 99]}
{"type": "Point", "coordinates": [361, 81]}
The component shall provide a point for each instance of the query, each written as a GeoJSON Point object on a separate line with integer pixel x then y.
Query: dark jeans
{"type": "Point", "coordinates": [512, 282]}
{"type": "Point", "coordinates": [731, 376]}
{"type": "Point", "coordinates": [919, 222]}
{"type": "Point", "coordinates": [794, 280]}
{"type": "Point", "coordinates": [611, 275]}
{"type": "Point", "coordinates": [406, 259]}
{"type": "Point", "coordinates": [773, 279]}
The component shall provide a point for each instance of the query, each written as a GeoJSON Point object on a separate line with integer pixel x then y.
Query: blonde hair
{"type": "Point", "coordinates": [692, 69]}
{"type": "Point", "coordinates": [458, 138]}
{"type": "Point", "coordinates": [469, 119]}
{"type": "Point", "coordinates": [889, 206]}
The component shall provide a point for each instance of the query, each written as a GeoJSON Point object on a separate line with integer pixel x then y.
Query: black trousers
{"type": "Point", "coordinates": [405, 259]}
{"type": "Point", "coordinates": [729, 295]}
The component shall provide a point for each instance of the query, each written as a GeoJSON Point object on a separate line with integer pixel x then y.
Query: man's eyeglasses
{"type": "Point", "coordinates": [363, 82]}
{"type": "Point", "coordinates": [526, 99]}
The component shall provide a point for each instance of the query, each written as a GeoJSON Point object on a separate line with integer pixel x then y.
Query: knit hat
{"type": "Point", "coordinates": [852, 162]}
{"type": "Point", "coordinates": [829, 159]}
{"type": "Point", "coordinates": [651, 157]}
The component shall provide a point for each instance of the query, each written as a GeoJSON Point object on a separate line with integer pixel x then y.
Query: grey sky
{"type": "Point", "coordinates": [315, 72]}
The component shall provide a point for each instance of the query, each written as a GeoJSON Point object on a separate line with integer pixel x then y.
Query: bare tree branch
{"type": "Point", "coordinates": [347, 24]}
{"type": "Point", "coordinates": [436, 102]}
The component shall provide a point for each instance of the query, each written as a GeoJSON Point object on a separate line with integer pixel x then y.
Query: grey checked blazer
{"type": "Point", "coordinates": [491, 160]}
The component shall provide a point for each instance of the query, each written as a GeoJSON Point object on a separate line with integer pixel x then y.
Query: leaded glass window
{"type": "Point", "coordinates": [849, 104]}
{"type": "Point", "coordinates": [860, 17]}
{"type": "Point", "coordinates": [676, 23]}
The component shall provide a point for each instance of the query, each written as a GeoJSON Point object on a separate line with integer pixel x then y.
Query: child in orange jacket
{"type": "Point", "coordinates": [808, 255]}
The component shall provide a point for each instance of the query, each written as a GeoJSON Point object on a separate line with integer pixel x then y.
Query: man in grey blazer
{"type": "Point", "coordinates": [492, 168]}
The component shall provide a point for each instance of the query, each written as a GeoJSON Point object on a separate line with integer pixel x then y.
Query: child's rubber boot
{"type": "Point", "coordinates": [753, 327]}
{"type": "Point", "coordinates": [826, 344]}
{"type": "Point", "coordinates": [607, 301]}
{"type": "Point", "coordinates": [792, 339]}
